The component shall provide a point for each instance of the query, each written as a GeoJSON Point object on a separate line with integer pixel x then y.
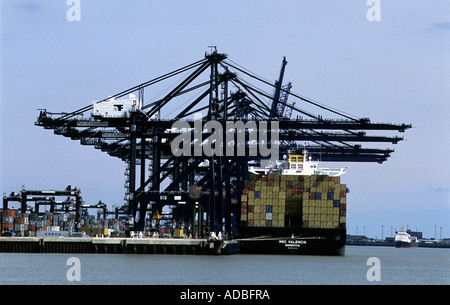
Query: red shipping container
{"type": "Point", "coordinates": [7, 226]}
{"type": "Point", "coordinates": [263, 177]}
{"type": "Point", "coordinates": [294, 191]}
{"type": "Point", "coordinates": [245, 191]}
{"type": "Point", "coordinates": [9, 213]}
{"type": "Point", "coordinates": [243, 211]}
{"type": "Point", "coordinates": [312, 196]}
{"type": "Point", "coordinates": [19, 220]}
{"type": "Point", "coordinates": [270, 183]}
{"type": "Point", "coordinates": [251, 223]}
{"type": "Point", "coordinates": [251, 208]}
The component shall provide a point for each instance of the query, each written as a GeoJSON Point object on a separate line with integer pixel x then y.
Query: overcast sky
{"type": "Point", "coordinates": [393, 70]}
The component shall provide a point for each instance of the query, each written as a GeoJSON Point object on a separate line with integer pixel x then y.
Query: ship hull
{"type": "Point", "coordinates": [295, 242]}
{"type": "Point", "coordinates": [292, 246]}
{"type": "Point", "coordinates": [403, 244]}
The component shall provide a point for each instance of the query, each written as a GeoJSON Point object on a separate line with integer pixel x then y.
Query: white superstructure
{"type": "Point", "coordinates": [299, 164]}
{"type": "Point", "coordinates": [403, 237]}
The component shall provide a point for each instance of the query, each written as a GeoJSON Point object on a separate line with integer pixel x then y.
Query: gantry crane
{"type": "Point", "coordinates": [141, 132]}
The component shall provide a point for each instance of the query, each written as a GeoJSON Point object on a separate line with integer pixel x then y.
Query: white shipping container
{"type": "Point", "coordinates": [268, 216]}
{"type": "Point", "coordinates": [41, 233]}
{"type": "Point", "coordinates": [19, 227]}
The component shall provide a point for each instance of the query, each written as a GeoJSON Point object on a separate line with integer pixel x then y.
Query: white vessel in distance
{"type": "Point", "coordinates": [298, 164]}
{"type": "Point", "coordinates": [404, 240]}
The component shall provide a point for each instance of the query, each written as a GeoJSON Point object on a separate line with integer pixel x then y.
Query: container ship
{"type": "Point", "coordinates": [296, 207]}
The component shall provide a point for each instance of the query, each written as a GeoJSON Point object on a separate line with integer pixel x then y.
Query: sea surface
{"type": "Point", "coordinates": [391, 266]}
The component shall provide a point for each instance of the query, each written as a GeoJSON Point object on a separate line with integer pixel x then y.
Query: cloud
{"type": "Point", "coordinates": [441, 25]}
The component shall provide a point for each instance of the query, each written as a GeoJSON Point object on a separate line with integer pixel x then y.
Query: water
{"type": "Point", "coordinates": [397, 266]}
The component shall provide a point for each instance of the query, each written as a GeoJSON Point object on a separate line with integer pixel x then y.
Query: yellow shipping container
{"type": "Point", "coordinates": [250, 216]}
{"type": "Point", "coordinates": [244, 198]}
{"type": "Point", "coordinates": [257, 208]}
{"type": "Point", "coordinates": [243, 217]}
{"type": "Point", "coordinates": [251, 194]}
{"type": "Point", "coordinates": [342, 219]}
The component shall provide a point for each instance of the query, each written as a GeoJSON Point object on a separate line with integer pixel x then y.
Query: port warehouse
{"type": "Point", "coordinates": [209, 192]}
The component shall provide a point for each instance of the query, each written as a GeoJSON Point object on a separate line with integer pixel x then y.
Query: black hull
{"type": "Point", "coordinates": [329, 242]}
{"type": "Point", "coordinates": [292, 246]}
{"type": "Point", "coordinates": [402, 244]}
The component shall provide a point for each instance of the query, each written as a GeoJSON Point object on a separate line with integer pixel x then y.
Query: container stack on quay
{"type": "Point", "coordinates": [280, 201]}
{"type": "Point", "coordinates": [14, 223]}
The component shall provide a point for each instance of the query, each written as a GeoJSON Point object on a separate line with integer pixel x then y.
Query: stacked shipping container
{"type": "Point", "coordinates": [28, 224]}
{"type": "Point", "coordinates": [317, 201]}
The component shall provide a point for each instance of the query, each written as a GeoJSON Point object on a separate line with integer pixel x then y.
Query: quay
{"type": "Point", "coordinates": [117, 245]}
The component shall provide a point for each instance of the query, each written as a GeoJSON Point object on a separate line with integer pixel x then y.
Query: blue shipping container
{"type": "Point", "coordinates": [335, 203]}
{"type": "Point", "coordinates": [330, 196]}
{"type": "Point", "coordinates": [268, 209]}
{"type": "Point", "coordinates": [318, 196]}
{"type": "Point", "coordinates": [257, 194]}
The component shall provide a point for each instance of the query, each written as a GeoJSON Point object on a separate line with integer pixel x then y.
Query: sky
{"type": "Point", "coordinates": [393, 70]}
